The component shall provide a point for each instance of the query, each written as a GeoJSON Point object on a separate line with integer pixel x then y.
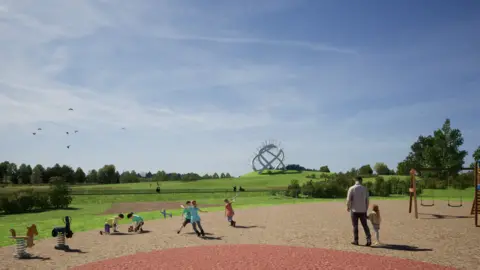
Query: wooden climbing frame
{"type": "Point", "coordinates": [476, 200]}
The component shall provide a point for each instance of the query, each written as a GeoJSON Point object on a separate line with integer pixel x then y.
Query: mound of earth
{"type": "Point", "coordinates": [147, 207]}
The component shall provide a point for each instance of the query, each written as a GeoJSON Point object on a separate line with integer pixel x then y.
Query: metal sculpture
{"type": "Point", "coordinates": [63, 232]}
{"type": "Point", "coordinates": [269, 156]}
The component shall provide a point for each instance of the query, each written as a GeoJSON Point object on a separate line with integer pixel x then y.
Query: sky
{"type": "Point", "coordinates": [200, 85]}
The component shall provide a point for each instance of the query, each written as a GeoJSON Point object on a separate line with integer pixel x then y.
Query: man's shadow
{"type": "Point", "coordinates": [402, 247]}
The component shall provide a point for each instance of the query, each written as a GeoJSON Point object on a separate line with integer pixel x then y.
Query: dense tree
{"type": "Point", "coordinates": [324, 169]}
{"type": "Point", "coordinates": [215, 176]}
{"type": "Point", "coordinates": [23, 174]}
{"type": "Point", "coordinates": [381, 168]}
{"type": "Point", "coordinates": [79, 176]}
{"type": "Point", "coordinates": [129, 177]}
{"type": "Point", "coordinates": [476, 154]}
{"type": "Point", "coordinates": [92, 176]}
{"type": "Point", "coordinates": [442, 150]}
{"type": "Point", "coordinates": [365, 170]}
{"type": "Point", "coordinates": [107, 175]}
{"type": "Point", "coordinates": [37, 174]}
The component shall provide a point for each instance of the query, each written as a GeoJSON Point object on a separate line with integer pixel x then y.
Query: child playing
{"type": "Point", "coordinates": [375, 218]}
{"type": "Point", "coordinates": [112, 222]}
{"type": "Point", "coordinates": [137, 221]}
{"type": "Point", "coordinates": [195, 218]}
{"type": "Point", "coordinates": [229, 213]}
{"type": "Point", "coordinates": [186, 215]}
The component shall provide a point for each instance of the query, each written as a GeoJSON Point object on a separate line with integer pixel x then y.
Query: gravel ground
{"type": "Point", "coordinates": [450, 241]}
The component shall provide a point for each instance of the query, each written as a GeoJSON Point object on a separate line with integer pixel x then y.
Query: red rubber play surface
{"type": "Point", "coordinates": [255, 257]}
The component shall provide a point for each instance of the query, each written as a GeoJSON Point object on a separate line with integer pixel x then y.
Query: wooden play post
{"type": "Point", "coordinates": [413, 193]}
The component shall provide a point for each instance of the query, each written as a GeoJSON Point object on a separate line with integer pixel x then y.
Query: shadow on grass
{"type": "Point", "coordinates": [402, 247]}
{"type": "Point", "coordinates": [438, 216]}
{"type": "Point", "coordinates": [37, 211]}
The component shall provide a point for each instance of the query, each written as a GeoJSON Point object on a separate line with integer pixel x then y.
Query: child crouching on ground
{"type": "Point", "coordinates": [229, 213]}
{"type": "Point", "coordinates": [112, 222]}
{"type": "Point", "coordinates": [137, 222]}
{"type": "Point", "coordinates": [375, 218]}
{"type": "Point", "coordinates": [186, 215]}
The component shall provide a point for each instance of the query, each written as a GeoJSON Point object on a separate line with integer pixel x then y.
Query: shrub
{"type": "Point", "coordinates": [293, 189]}
{"type": "Point", "coordinates": [59, 193]}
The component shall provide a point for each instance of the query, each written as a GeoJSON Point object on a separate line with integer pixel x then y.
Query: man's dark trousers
{"type": "Point", "coordinates": [363, 219]}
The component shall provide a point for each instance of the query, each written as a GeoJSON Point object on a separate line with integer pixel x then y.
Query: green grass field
{"type": "Point", "coordinates": [87, 210]}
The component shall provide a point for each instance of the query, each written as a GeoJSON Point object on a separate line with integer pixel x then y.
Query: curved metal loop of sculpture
{"type": "Point", "coordinates": [274, 161]}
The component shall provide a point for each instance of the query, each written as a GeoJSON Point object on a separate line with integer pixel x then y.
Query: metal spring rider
{"type": "Point", "coordinates": [24, 242]}
{"type": "Point", "coordinates": [62, 232]}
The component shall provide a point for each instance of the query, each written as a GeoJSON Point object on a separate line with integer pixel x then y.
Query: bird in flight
{"type": "Point", "coordinates": [76, 131]}
{"type": "Point", "coordinates": [39, 129]}
{"type": "Point", "coordinates": [34, 133]}
{"type": "Point", "coordinates": [70, 109]}
{"type": "Point", "coordinates": [67, 132]}
{"type": "Point", "coordinates": [123, 128]}
{"type": "Point", "coordinates": [68, 146]}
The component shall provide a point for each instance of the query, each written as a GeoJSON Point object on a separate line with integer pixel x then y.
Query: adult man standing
{"type": "Point", "coordinates": [357, 205]}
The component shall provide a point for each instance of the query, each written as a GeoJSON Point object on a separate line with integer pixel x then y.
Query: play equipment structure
{"type": "Point", "coordinates": [165, 214]}
{"type": "Point", "coordinates": [476, 202]}
{"type": "Point", "coordinates": [24, 242]}
{"type": "Point", "coordinates": [63, 232]}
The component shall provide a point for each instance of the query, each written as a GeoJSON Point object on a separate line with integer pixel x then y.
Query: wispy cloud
{"type": "Point", "coordinates": [286, 43]}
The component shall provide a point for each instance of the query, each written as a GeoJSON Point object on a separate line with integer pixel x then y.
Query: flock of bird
{"type": "Point", "coordinates": [66, 132]}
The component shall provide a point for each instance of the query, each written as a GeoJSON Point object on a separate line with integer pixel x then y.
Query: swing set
{"type": "Point", "coordinates": [429, 201]}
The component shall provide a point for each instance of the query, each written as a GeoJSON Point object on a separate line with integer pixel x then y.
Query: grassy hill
{"type": "Point", "coordinates": [250, 181]}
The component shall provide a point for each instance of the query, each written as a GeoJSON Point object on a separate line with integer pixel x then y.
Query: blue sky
{"type": "Point", "coordinates": [199, 85]}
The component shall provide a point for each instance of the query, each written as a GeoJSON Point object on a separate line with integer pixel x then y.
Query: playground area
{"type": "Point", "coordinates": [442, 235]}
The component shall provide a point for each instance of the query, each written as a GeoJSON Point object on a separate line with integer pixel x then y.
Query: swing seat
{"type": "Point", "coordinates": [460, 204]}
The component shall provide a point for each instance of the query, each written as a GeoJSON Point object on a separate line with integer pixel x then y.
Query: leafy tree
{"type": "Point", "coordinates": [149, 175]}
{"type": "Point", "coordinates": [227, 175]}
{"type": "Point", "coordinates": [381, 168]}
{"type": "Point", "coordinates": [476, 154]}
{"type": "Point", "coordinates": [23, 174]}
{"type": "Point", "coordinates": [215, 176]}
{"type": "Point", "coordinates": [79, 176]}
{"type": "Point", "coordinates": [60, 193]}
{"type": "Point", "coordinates": [129, 177]}
{"type": "Point", "coordinates": [107, 175]}
{"type": "Point", "coordinates": [365, 170]}
{"type": "Point", "coordinates": [37, 174]}
{"type": "Point", "coordinates": [92, 176]}
{"type": "Point", "coordinates": [442, 150]}
{"type": "Point", "coordinates": [12, 171]}
{"type": "Point", "coordinates": [324, 169]}
{"type": "Point", "coordinates": [222, 175]}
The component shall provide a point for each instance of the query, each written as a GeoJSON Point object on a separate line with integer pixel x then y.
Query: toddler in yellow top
{"type": "Point", "coordinates": [375, 219]}
{"type": "Point", "coordinates": [112, 222]}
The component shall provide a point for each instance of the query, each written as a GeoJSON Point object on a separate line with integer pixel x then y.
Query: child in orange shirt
{"type": "Point", "coordinates": [229, 213]}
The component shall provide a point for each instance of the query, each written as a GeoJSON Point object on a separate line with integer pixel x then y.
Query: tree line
{"type": "Point", "coordinates": [24, 174]}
